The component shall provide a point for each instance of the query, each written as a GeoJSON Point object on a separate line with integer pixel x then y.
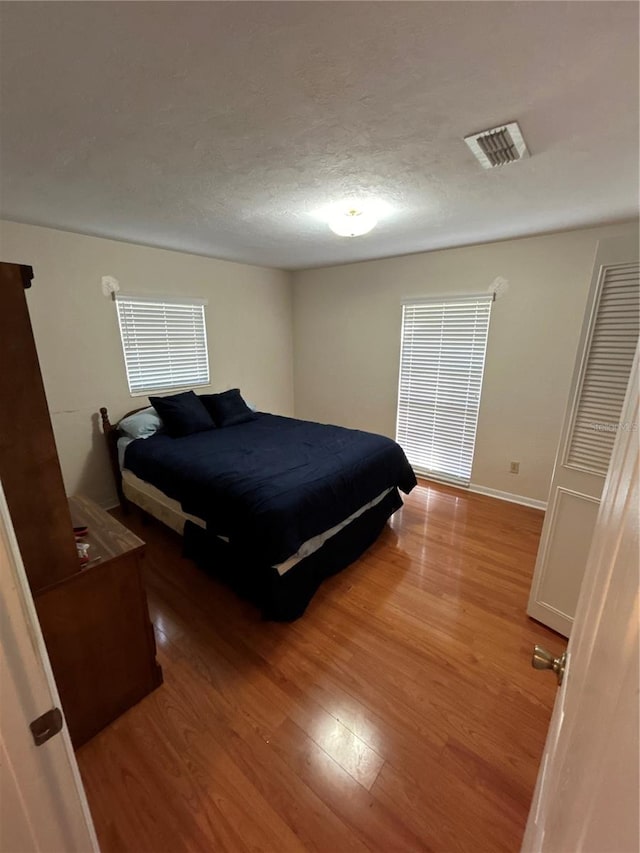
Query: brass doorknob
{"type": "Point", "coordinates": [542, 659]}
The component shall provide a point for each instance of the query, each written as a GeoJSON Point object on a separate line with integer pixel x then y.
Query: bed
{"type": "Point", "coordinates": [271, 506]}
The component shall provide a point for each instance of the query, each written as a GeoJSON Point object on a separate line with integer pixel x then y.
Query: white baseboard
{"type": "Point", "coordinates": [507, 496]}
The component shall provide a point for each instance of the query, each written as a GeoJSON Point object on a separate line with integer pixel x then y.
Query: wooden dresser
{"type": "Point", "coordinates": [95, 620]}
{"type": "Point", "coordinates": [96, 624]}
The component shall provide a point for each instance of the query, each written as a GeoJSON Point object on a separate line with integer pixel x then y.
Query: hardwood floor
{"type": "Point", "coordinates": [399, 714]}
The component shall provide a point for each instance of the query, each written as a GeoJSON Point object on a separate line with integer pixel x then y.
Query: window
{"type": "Point", "coordinates": [164, 342]}
{"type": "Point", "coordinates": [441, 365]}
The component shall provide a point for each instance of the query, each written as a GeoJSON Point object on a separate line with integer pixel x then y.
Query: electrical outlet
{"type": "Point", "coordinates": [514, 468]}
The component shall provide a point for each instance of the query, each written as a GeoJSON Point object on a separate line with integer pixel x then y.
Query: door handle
{"type": "Point", "coordinates": [542, 659]}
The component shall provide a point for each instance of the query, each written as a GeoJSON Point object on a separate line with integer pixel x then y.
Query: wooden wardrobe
{"type": "Point", "coordinates": [95, 621]}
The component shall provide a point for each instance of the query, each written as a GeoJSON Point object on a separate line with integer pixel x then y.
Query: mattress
{"type": "Point", "coordinates": [156, 503]}
{"type": "Point", "coordinates": [169, 512]}
{"type": "Point", "coordinates": [150, 499]}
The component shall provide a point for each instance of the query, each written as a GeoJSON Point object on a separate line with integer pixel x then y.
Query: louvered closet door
{"type": "Point", "coordinates": [605, 356]}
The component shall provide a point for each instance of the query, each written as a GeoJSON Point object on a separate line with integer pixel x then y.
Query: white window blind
{"type": "Point", "coordinates": [164, 342]}
{"type": "Point", "coordinates": [441, 366]}
{"type": "Point", "coordinates": [610, 351]}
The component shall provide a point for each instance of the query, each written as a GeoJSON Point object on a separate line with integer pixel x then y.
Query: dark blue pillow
{"type": "Point", "coordinates": [182, 414]}
{"type": "Point", "coordinates": [228, 408]}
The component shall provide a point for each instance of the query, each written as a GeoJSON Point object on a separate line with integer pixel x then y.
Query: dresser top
{"type": "Point", "coordinates": [106, 536]}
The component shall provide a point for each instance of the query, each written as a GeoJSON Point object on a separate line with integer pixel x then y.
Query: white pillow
{"type": "Point", "coordinates": [141, 424]}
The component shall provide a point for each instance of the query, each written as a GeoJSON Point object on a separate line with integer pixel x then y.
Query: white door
{"type": "Point", "coordinates": [42, 801]}
{"type": "Point", "coordinates": [609, 338]}
{"type": "Point", "coordinates": [587, 798]}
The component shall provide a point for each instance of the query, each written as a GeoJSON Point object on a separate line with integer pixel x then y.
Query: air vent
{"type": "Point", "coordinates": [498, 146]}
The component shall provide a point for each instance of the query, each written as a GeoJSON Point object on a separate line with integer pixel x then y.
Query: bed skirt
{"type": "Point", "coordinates": [283, 598]}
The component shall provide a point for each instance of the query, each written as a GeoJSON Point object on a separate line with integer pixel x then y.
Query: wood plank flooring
{"type": "Point", "coordinates": [399, 714]}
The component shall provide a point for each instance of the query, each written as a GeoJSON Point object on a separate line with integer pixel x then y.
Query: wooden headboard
{"type": "Point", "coordinates": [112, 434]}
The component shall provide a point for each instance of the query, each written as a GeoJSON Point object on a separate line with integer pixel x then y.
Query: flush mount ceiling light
{"type": "Point", "coordinates": [352, 222]}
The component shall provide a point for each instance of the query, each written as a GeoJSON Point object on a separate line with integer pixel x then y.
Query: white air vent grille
{"type": "Point", "coordinates": [498, 146]}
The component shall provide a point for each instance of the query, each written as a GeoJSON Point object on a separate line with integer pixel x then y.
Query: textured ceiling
{"type": "Point", "coordinates": [221, 128]}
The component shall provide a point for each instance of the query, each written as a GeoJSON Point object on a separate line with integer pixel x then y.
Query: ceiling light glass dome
{"type": "Point", "coordinates": [352, 222]}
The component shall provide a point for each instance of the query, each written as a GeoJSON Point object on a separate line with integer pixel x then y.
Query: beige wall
{"type": "Point", "coordinates": [346, 338]}
{"type": "Point", "coordinates": [347, 343]}
{"type": "Point", "coordinates": [249, 330]}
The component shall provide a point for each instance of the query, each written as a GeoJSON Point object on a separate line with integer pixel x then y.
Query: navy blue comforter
{"type": "Point", "coordinates": [272, 483]}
